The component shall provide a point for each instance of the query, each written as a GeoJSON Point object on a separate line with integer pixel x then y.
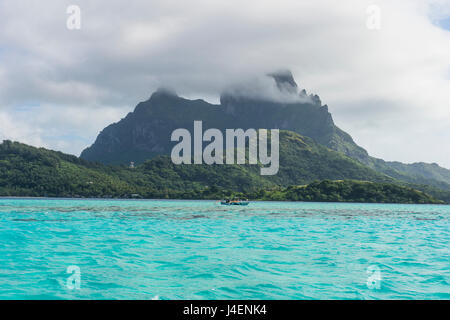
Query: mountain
{"type": "Point", "coordinates": [145, 132]}
{"type": "Point", "coordinates": [275, 103]}
{"type": "Point", "coordinates": [415, 173]}
{"type": "Point", "coordinates": [30, 171]}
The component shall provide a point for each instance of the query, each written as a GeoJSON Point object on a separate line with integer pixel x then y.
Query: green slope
{"type": "Point", "coordinates": [145, 133]}
{"type": "Point", "coordinates": [29, 171]}
{"type": "Point", "coordinates": [349, 191]}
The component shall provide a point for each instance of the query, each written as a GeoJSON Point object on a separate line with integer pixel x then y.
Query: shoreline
{"type": "Point", "coordinates": [210, 200]}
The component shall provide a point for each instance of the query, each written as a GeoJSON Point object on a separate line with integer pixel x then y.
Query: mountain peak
{"type": "Point", "coordinates": [284, 80]}
{"type": "Point", "coordinates": [164, 92]}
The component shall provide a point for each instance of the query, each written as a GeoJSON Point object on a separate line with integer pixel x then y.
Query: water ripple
{"type": "Point", "coordinates": [201, 250]}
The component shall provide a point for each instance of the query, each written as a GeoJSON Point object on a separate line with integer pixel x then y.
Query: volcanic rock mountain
{"type": "Point", "coordinates": [276, 104]}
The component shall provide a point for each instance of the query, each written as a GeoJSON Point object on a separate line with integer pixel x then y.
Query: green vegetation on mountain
{"type": "Point", "coordinates": [348, 191]}
{"type": "Point", "coordinates": [312, 148]}
{"type": "Point", "coordinates": [29, 171]}
{"type": "Point", "coordinates": [145, 133]}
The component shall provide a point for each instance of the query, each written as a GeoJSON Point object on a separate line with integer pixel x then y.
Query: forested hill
{"type": "Point", "coordinates": [145, 133]}
{"type": "Point", "coordinates": [348, 191]}
{"type": "Point", "coordinates": [30, 171]}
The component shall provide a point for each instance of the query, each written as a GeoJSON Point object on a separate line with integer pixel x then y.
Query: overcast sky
{"type": "Point", "coordinates": [389, 87]}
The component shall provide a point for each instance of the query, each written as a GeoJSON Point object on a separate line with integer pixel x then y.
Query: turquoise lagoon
{"type": "Point", "coordinates": [200, 250]}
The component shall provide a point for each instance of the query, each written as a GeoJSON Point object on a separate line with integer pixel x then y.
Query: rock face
{"type": "Point", "coordinates": [145, 133]}
{"type": "Point", "coordinates": [285, 81]}
{"type": "Point", "coordinates": [277, 103]}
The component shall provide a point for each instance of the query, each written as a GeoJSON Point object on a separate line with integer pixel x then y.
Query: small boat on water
{"type": "Point", "coordinates": [234, 203]}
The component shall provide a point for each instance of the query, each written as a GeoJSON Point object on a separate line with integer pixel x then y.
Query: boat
{"type": "Point", "coordinates": [234, 203]}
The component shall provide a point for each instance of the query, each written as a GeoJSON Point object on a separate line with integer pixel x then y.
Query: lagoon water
{"type": "Point", "coordinates": [201, 250]}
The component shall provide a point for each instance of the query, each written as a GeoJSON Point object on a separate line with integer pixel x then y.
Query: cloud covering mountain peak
{"type": "Point", "coordinates": [279, 87]}
{"type": "Point", "coordinates": [370, 78]}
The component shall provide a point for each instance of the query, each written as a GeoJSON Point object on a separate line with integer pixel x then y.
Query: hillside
{"type": "Point", "coordinates": [348, 191]}
{"type": "Point", "coordinates": [29, 171]}
{"type": "Point", "coordinates": [145, 133]}
{"type": "Point", "coordinates": [301, 161]}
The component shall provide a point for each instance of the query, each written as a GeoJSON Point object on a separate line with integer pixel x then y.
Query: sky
{"type": "Point", "coordinates": [386, 81]}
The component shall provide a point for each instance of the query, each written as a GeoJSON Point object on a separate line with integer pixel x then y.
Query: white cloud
{"type": "Point", "coordinates": [68, 129]}
{"type": "Point", "coordinates": [387, 88]}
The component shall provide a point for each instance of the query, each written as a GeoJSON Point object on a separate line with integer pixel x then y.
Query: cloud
{"type": "Point", "coordinates": [69, 129]}
{"type": "Point", "coordinates": [265, 88]}
{"type": "Point", "coordinates": [387, 87]}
